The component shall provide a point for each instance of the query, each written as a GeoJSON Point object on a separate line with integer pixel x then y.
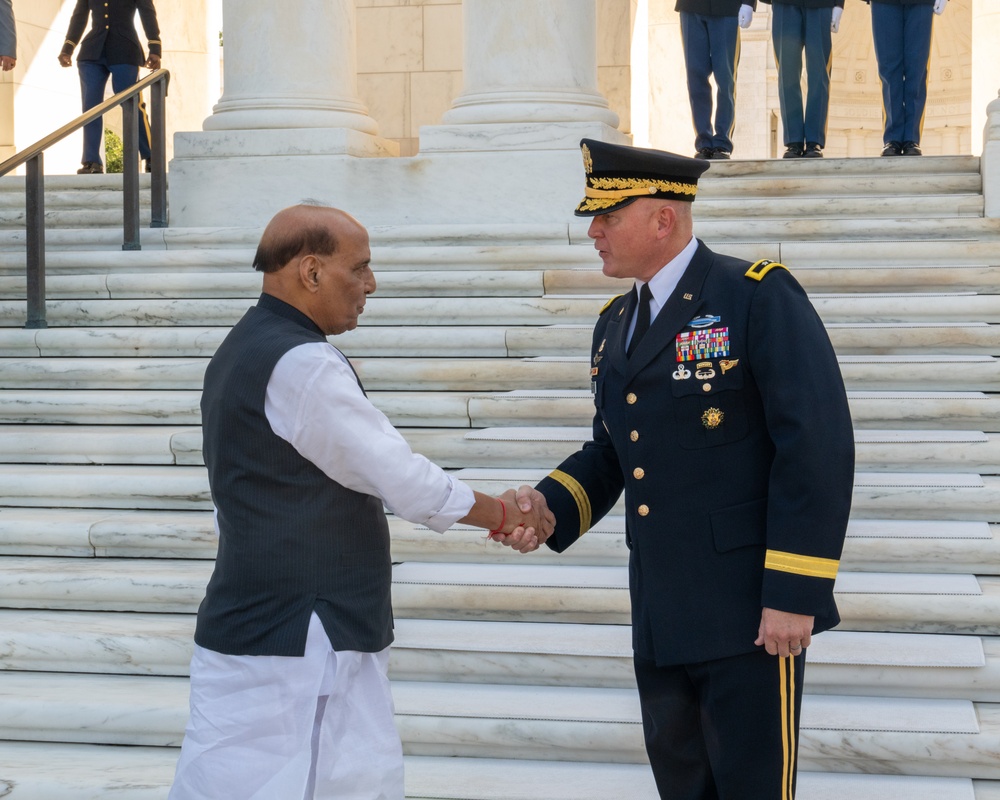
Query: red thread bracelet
{"type": "Point", "coordinates": [503, 519]}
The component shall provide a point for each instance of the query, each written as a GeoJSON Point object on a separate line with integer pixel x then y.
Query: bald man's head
{"type": "Point", "coordinates": [316, 259]}
{"type": "Point", "coordinates": [300, 230]}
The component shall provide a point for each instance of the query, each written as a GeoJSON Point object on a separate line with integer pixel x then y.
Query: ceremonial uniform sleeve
{"type": "Point", "coordinates": [314, 402]}
{"type": "Point", "coordinates": [808, 419]}
{"type": "Point", "coordinates": [77, 25]}
{"type": "Point", "coordinates": [584, 487]}
{"type": "Point", "coordinates": [150, 26]}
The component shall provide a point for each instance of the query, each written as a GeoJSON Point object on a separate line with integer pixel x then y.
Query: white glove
{"type": "Point", "coordinates": [835, 20]}
{"type": "Point", "coordinates": [939, 6]}
{"type": "Point", "coordinates": [746, 15]}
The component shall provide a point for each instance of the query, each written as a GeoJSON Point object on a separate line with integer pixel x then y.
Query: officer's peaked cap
{"type": "Point", "coordinates": [618, 175]}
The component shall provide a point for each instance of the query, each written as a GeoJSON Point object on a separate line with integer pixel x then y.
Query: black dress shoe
{"type": "Point", "coordinates": [892, 149]}
{"type": "Point", "coordinates": [147, 165]}
{"type": "Point", "coordinates": [704, 153]}
{"type": "Point", "coordinates": [720, 153]}
{"type": "Point", "coordinates": [90, 168]}
{"type": "Point", "coordinates": [793, 151]}
{"type": "Point", "coordinates": [812, 150]}
{"type": "Point", "coordinates": [910, 149]}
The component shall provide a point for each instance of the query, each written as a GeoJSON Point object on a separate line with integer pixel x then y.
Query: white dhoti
{"type": "Point", "coordinates": [280, 728]}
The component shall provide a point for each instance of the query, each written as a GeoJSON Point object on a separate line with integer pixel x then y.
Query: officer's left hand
{"type": "Point", "coordinates": [153, 62]}
{"type": "Point", "coordinates": [745, 16]}
{"type": "Point", "coordinates": [7, 63]}
{"type": "Point", "coordinates": [835, 20]}
{"type": "Point", "coordinates": [939, 6]}
{"type": "Point", "coordinates": [783, 633]}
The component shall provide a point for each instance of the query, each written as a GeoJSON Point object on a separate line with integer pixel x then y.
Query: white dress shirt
{"type": "Point", "coordinates": [314, 402]}
{"type": "Point", "coordinates": [663, 283]}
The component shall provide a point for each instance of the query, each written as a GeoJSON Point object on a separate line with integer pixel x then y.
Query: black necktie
{"type": "Point", "coordinates": [641, 318]}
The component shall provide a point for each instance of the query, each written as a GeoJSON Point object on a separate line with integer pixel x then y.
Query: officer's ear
{"type": "Point", "coordinates": [666, 220]}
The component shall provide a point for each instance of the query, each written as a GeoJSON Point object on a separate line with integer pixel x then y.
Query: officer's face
{"type": "Point", "coordinates": [345, 280]}
{"type": "Point", "coordinates": [628, 240]}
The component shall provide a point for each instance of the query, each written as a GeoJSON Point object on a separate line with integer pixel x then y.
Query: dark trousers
{"type": "Point", "coordinates": [724, 729]}
{"type": "Point", "coordinates": [711, 47]}
{"type": "Point", "coordinates": [93, 81]}
{"type": "Point", "coordinates": [902, 35]}
{"type": "Point", "coordinates": [796, 29]}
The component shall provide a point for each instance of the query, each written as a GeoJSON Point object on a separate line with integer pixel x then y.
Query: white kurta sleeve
{"type": "Point", "coordinates": [314, 402]}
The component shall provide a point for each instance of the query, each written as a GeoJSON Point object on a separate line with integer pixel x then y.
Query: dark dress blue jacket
{"type": "Point", "coordinates": [112, 34]}
{"type": "Point", "coordinates": [730, 433]}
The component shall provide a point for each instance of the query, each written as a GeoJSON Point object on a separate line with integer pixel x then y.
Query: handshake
{"type": "Point", "coordinates": [526, 521]}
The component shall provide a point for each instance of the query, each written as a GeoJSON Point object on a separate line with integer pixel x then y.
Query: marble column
{"type": "Point", "coordinates": [290, 65]}
{"type": "Point", "coordinates": [530, 72]}
{"type": "Point", "coordinates": [985, 64]}
{"type": "Point", "coordinates": [990, 162]}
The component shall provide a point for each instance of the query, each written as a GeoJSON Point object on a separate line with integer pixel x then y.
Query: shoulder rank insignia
{"type": "Point", "coordinates": [759, 269]}
{"type": "Point", "coordinates": [607, 305]}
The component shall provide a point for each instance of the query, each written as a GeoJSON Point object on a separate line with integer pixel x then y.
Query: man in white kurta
{"type": "Point", "coordinates": [289, 690]}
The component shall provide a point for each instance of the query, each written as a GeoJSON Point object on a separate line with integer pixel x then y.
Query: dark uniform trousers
{"type": "Point", "coordinates": [110, 49]}
{"type": "Point", "coordinates": [797, 29]}
{"type": "Point", "coordinates": [902, 37]}
{"type": "Point", "coordinates": [711, 48]}
{"type": "Point", "coordinates": [729, 431]}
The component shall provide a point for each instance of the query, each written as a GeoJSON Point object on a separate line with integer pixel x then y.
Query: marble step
{"type": "Point", "coordinates": [67, 199]}
{"type": "Point", "coordinates": [900, 602]}
{"type": "Point", "coordinates": [942, 603]}
{"type": "Point", "coordinates": [452, 448]}
{"type": "Point", "coordinates": [16, 218]}
{"type": "Point", "coordinates": [946, 738]}
{"type": "Point", "coordinates": [870, 409]}
{"type": "Point", "coordinates": [852, 168]}
{"type": "Point", "coordinates": [906, 338]}
{"type": "Point", "coordinates": [877, 495]}
{"type": "Point", "coordinates": [872, 545]}
{"type": "Point", "coordinates": [869, 373]}
{"type": "Point", "coordinates": [870, 185]}
{"type": "Point", "coordinates": [837, 207]}
{"type": "Point", "coordinates": [569, 407]}
{"type": "Point", "coordinates": [49, 771]}
{"type": "Point", "coordinates": [578, 309]}
{"type": "Point", "coordinates": [818, 276]}
{"type": "Point", "coordinates": [898, 252]}
{"type": "Point", "coordinates": [486, 281]}
{"type": "Point", "coordinates": [566, 267]}
{"type": "Point", "coordinates": [533, 653]}
{"type": "Point", "coordinates": [905, 232]}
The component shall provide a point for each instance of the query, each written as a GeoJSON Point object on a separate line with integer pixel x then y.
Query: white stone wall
{"type": "Point", "coordinates": [410, 62]}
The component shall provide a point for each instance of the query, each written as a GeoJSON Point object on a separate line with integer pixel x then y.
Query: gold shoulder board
{"type": "Point", "coordinates": [607, 305]}
{"type": "Point", "coordinates": [759, 269]}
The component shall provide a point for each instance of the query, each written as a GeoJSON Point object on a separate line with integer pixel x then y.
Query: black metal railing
{"type": "Point", "coordinates": [34, 180]}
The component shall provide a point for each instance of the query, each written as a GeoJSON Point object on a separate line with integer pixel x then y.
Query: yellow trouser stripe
{"type": "Point", "coordinates": [576, 491]}
{"type": "Point", "coordinates": [786, 676]}
{"type": "Point", "coordinates": [801, 565]}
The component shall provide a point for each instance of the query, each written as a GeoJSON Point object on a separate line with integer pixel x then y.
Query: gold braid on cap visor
{"type": "Point", "coordinates": [606, 192]}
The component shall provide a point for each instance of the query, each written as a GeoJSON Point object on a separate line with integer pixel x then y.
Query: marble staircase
{"type": "Point", "coordinates": [512, 674]}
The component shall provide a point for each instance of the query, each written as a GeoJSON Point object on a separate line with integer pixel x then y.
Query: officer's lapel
{"type": "Point", "coordinates": [617, 330]}
{"type": "Point", "coordinates": [681, 307]}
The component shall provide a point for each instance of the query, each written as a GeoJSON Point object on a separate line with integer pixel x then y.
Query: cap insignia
{"type": "Point", "coordinates": [588, 163]}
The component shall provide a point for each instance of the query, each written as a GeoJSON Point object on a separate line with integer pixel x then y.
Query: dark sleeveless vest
{"type": "Point", "coordinates": [291, 540]}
